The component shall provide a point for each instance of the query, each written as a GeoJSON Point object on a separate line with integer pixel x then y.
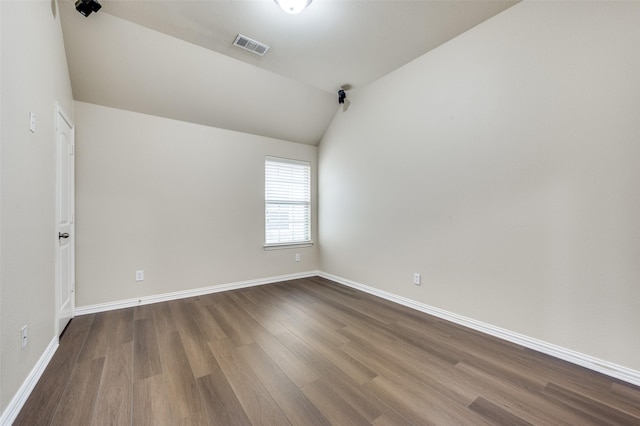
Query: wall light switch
{"type": "Point", "coordinates": [24, 336]}
{"type": "Point", "coordinates": [417, 279]}
{"type": "Point", "coordinates": [32, 121]}
{"type": "Point", "coordinates": [139, 275]}
{"type": "Point", "coordinates": [297, 257]}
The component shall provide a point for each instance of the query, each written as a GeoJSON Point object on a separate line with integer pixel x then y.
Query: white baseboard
{"type": "Point", "coordinates": [613, 370]}
{"type": "Point", "coordinates": [13, 409]}
{"type": "Point", "coordinates": [146, 300]}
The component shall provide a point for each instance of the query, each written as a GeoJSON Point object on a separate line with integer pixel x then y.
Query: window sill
{"type": "Point", "coordinates": [287, 245]}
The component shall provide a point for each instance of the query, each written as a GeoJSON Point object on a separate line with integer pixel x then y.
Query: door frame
{"type": "Point", "coordinates": [61, 114]}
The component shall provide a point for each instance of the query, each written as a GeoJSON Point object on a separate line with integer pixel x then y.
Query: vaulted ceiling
{"type": "Point", "coordinates": [176, 59]}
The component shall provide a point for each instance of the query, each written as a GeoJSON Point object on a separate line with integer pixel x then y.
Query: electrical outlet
{"type": "Point", "coordinates": [139, 275]}
{"type": "Point", "coordinates": [297, 257]}
{"type": "Point", "coordinates": [417, 279]}
{"type": "Point", "coordinates": [24, 336]}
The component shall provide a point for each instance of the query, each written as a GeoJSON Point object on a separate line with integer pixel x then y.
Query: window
{"type": "Point", "coordinates": [287, 197]}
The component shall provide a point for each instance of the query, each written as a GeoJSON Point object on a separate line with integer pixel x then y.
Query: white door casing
{"type": "Point", "coordinates": [65, 212]}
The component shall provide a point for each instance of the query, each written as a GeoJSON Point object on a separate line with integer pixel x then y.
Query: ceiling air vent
{"type": "Point", "coordinates": [251, 45]}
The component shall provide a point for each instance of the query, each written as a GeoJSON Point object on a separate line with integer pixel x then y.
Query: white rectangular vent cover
{"type": "Point", "coordinates": [251, 45]}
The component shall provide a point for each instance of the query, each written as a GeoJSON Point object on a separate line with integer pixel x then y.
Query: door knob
{"type": "Point", "coordinates": [61, 235]}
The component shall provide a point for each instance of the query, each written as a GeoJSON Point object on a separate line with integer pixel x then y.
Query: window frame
{"type": "Point", "coordinates": [271, 202]}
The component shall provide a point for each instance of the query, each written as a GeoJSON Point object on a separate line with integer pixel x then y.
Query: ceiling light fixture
{"type": "Point", "coordinates": [293, 6]}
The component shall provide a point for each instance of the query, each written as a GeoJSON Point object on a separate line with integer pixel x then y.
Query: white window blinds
{"type": "Point", "coordinates": [287, 201]}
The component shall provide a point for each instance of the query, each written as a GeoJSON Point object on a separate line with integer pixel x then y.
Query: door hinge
{"type": "Point", "coordinates": [73, 218]}
{"type": "Point", "coordinates": [73, 149]}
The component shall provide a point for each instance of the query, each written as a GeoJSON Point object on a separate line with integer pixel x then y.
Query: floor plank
{"type": "Point", "coordinates": [220, 402]}
{"type": "Point", "coordinates": [336, 409]}
{"type": "Point", "coordinates": [496, 414]}
{"type": "Point", "coordinates": [78, 401]}
{"type": "Point", "coordinates": [180, 382]}
{"type": "Point", "coordinates": [151, 402]}
{"type": "Point", "coordinates": [287, 395]}
{"type": "Point", "coordinates": [603, 412]}
{"type": "Point", "coordinates": [146, 356]}
{"type": "Point", "coordinates": [193, 339]}
{"type": "Point", "coordinates": [259, 405]}
{"type": "Point", "coordinates": [113, 403]}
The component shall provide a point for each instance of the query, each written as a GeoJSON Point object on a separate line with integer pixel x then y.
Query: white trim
{"type": "Point", "coordinates": [146, 300]}
{"type": "Point", "coordinates": [283, 246]}
{"type": "Point", "coordinates": [59, 112]}
{"type": "Point", "coordinates": [13, 409]}
{"type": "Point", "coordinates": [271, 158]}
{"type": "Point", "coordinates": [610, 369]}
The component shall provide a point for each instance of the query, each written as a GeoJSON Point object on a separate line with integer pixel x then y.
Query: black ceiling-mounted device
{"type": "Point", "coordinates": [341, 96]}
{"type": "Point", "coordinates": [85, 7]}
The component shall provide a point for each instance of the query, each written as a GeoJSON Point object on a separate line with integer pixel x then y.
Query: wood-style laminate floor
{"type": "Point", "coordinates": [308, 352]}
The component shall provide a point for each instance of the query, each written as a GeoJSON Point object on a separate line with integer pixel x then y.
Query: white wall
{"type": "Point", "coordinates": [34, 76]}
{"type": "Point", "coordinates": [504, 167]}
{"type": "Point", "coordinates": [183, 202]}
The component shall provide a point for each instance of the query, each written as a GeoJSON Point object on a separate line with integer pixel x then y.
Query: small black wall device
{"type": "Point", "coordinates": [85, 7]}
{"type": "Point", "coordinates": [341, 96]}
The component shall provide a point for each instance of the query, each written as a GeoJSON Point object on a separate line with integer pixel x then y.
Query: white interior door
{"type": "Point", "coordinates": [65, 258]}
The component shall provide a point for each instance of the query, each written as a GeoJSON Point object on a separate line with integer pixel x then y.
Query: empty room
{"type": "Point", "coordinates": [319, 212]}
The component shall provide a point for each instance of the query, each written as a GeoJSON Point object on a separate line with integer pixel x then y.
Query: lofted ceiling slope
{"type": "Point", "coordinates": [175, 58]}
